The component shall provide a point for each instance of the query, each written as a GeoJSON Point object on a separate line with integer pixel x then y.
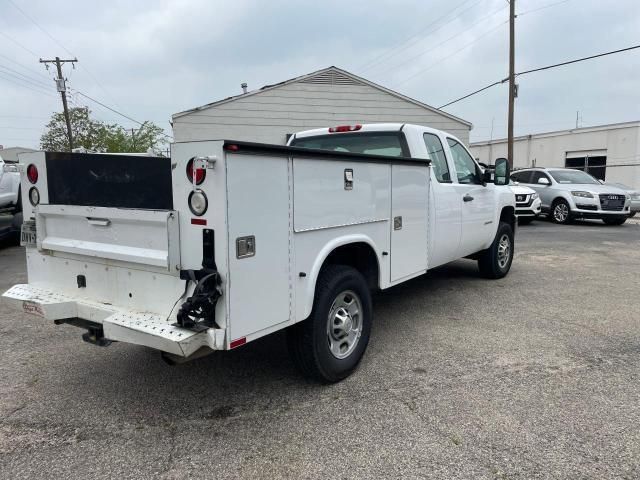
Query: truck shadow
{"type": "Point", "coordinates": [133, 381]}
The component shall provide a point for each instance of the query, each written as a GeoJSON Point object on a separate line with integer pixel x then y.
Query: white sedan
{"type": "Point", "coordinates": [9, 186]}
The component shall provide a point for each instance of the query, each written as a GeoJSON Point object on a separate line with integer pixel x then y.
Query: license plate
{"type": "Point", "coordinates": [28, 234]}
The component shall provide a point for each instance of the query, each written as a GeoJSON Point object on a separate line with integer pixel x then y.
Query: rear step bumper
{"type": "Point", "coordinates": [148, 329]}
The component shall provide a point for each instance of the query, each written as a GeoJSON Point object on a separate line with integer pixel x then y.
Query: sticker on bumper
{"type": "Point", "coordinates": [32, 308]}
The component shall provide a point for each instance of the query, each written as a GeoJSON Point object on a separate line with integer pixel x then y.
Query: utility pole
{"type": "Point", "coordinates": [62, 88]}
{"type": "Point", "coordinates": [512, 79]}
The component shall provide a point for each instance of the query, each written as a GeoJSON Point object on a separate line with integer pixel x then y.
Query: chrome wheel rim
{"type": "Point", "coordinates": [504, 250]}
{"type": "Point", "coordinates": [561, 212]}
{"type": "Point", "coordinates": [344, 324]}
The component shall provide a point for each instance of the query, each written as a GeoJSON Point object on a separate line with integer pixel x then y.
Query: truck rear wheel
{"type": "Point", "coordinates": [329, 345]}
{"type": "Point", "coordinates": [495, 261]}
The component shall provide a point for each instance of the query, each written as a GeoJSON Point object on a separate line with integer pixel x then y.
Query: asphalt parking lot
{"type": "Point", "coordinates": [532, 376]}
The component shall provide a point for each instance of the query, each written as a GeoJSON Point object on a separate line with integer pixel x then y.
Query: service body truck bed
{"type": "Point", "coordinates": [229, 241]}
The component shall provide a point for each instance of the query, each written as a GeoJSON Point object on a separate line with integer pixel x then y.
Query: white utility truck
{"type": "Point", "coordinates": [227, 241]}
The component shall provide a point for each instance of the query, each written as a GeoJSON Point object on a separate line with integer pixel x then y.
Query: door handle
{"type": "Point", "coordinates": [98, 222]}
{"type": "Point", "coordinates": [467, 198]}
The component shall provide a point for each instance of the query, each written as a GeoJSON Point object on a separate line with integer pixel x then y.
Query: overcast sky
{"type": "Point", "coordinates": [150, 59]}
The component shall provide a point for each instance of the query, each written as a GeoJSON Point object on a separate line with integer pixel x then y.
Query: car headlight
{"type": "Point", "coordinates": [635, 196]}
{"type": "Point", "coordinates": [582, 194]}
{"type": "Point", "coordinates": [10, 168]}
{"type": "Point", "coordinates": [534, 196]}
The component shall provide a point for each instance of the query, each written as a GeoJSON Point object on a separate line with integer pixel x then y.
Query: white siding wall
{"type": "Point", "coordinates": [268, 116]}
{"type": "Point", "coordinates": [549, 150]}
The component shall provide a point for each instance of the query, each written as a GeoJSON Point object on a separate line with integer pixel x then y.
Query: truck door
{"type": "Point", "coordinates": [409, 195]}
{"type": "Point", "coordinates": [478, 202]}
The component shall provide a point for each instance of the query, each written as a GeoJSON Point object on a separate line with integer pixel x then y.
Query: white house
{"type": "Point", "coordinates": [608, 152]}
{"type": "Point", "coordinates": [324, 98]}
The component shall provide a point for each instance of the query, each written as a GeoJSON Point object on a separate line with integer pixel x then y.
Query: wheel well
{"type": "Point", "coordinates": [507, 215]}
{"type": "Point", "coordinates": [360, 256]}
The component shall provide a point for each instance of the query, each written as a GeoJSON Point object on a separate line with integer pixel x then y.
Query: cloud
{"type": "Point", "coordinates": [150, 59]}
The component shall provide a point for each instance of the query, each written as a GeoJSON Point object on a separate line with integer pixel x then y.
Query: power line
{"type": "Point", "coordinates": [25, 85]}
{"type": "Point", "coordinates": [116, 111]}
{"type": "Point", "coordinates": [579, 60]}
{"type": "Point", "coordinates": [457, 35]}
{"type": "Point", "coordinates": [33, 80]}
{"type": "Point", "coordinates": [467, 45]}
{"type": "Point", "coordinates": [408, 42]}
{"type": "Point", "coordinates": [526, 12]}
{"type": "Point", "coordinates": [11, 39]}
{"type": "Point", "coordinates": [547, 67]}
{"type": "Point", "coordinates": [40, 74]}
{"type": "Point", "coordinates": [61, 46]}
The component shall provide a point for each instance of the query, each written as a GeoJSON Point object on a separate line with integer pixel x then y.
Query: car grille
{"type": "Point", "coordinates": [523, 200]}
{"type": "Point", "coordinates": [587, 207]}
{"type": "Point", "coordinates": [611, 202]}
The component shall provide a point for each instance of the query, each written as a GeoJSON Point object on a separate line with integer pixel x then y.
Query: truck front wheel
{"type": "Point", "coordinates": [329, 345]}
{"type": "Point", "coordinates": [495, 261]}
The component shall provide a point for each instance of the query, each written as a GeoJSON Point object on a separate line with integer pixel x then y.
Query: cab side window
{"type": "Point", "coordinates": [438, 158]}
{"type": "Point", "coordinates": [522, 177]}
{"type": "Point", "coordinates": [465, 165]}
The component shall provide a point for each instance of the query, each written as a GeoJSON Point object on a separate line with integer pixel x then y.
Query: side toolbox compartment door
{"type": "Point", "coordinates": [259, 235]}
{"type": "Point", "coordinates": [409, 212]}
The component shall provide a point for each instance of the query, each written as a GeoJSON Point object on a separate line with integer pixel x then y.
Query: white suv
{"type": "Point", "coordinates": [527, 203]}
{"type": "Point", "coordinates": [567, 194]}
{"type": "Point", "coordinates": [9, 185]}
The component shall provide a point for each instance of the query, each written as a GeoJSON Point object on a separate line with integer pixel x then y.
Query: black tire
{"type": "Point", "coordinates": [309, 341]}
{"type": "Point", "coordinates": [525, 220]}
{"type": "Point", "coordinates": [490, 263]}
{"type": "Point", "coordinates": [559, 207]}
{"type": "Point", "coordinates": [614, 221]}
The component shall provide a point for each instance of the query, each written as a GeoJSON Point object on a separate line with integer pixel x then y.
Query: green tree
{"type": "Point", "coordinates": [97, 136]}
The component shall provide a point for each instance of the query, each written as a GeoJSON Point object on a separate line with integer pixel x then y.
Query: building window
{"type": "Point", "coordinates": [595, 166]}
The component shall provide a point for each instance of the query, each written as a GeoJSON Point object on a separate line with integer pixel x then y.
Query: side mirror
{"type": "Point", "coordinates": [544, 181]}
{"type": "Point", "coordinates": [501, 172]}
{"type": "Point", "coordinates": [486, 176]}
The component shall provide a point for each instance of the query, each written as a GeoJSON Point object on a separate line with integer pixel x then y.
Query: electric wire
{"type": "Point", "coordinates": [417, 37]}
{"type": "Point", "coordinates": [63, 47]}
{"type": "Point", "coordinates": [116, 111]}
{"type": "Point", "coordinates": [31, 79]}
{"type": "Point", "coordinates": [539, 69]}
{"type": "Point", "coordinates": [448, 39]}
{"type": "Point", "coordinates": [464, 47]}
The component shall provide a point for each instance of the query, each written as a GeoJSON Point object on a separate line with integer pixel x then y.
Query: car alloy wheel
{"type": "Point", "coordinates": [561, 212]}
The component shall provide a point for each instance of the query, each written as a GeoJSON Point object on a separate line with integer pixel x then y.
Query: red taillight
{"type": "Point", "coordinates": [200, 173]}
{"type": "Point", "coordinates": [32, 173]}
{"type": "Point", "coordinates": [345, 128]}
{"type": "Point", "coordinates": [238, 342]}
{"type": "Point", "coordinates": [231, 147]}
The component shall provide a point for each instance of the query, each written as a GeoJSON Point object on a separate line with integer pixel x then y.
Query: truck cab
{"type": "Point", "coordinates": [466, 205]}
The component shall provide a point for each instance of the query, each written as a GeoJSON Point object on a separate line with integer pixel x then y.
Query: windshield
{"type": "Point", "coordinates": [371, 143]}
{"type": "Point", "coordinates": [573, 176]}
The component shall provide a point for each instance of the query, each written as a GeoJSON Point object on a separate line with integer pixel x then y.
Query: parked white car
{"type": "Point", "coordinates": [9, 185]}
{"type": "Point", "coordinates": [527, 203]}
{"type": "Point", "coordinates": [227, 241]}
